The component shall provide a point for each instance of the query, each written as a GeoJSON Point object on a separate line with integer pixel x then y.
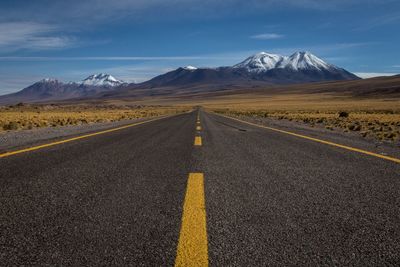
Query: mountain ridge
{"type": "Point", "coordinates": [259, 69]}
{"type": "Point", "coordinates": [50, 89]}
{"type": "Point", "coordinates": [265, 67]}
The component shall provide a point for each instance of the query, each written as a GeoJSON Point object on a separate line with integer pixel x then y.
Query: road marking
{"type": "Point", "coordinates": [198, 128]}
{"type": "Point", "coordinates": [193, 245]}
{"type": "Point", "coordinates": [318, 140]}
{"type": "Point", "coordinates": [197, 141]}
{"type": "Point", "coordinates": [7, 154]}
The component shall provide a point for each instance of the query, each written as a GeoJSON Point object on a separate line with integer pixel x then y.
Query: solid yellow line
{"type": "Point", "coordinates": [192, 245]}
{"type": "Point", "coordinates": [7, 154]}
{"type": "Point", "coordinates": [319, 140]}
{"type": "Point", "coordinates": [198, 128]}
{"type": "Point", "coordinates": [197, 141]}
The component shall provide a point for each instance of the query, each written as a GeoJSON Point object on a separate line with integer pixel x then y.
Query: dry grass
{"type": "Point", "coordinates": [20, 117]}
{"type": "Point", "coordinates": [375, 119]}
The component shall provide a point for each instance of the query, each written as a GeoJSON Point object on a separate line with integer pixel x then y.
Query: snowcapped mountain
{"type": "Point", "coordinates": [52, 89]}
{"type": "Point", "coordinates": [305, 61]}
{"type": "Point", "coordinates": [101, 79]}
{"type": "Point", "coordinates": [260, 62]}
{"type": "Point", "coordinates": [190, 68]}
{"type": "Point", "coordinates": [263, 61]}
{"type": "Point", "coordinates": [262, 67]}
{"type": "Point", "coordinates": [297, 68]}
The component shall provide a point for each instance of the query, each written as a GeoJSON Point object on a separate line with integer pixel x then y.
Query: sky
{"type": "Point", "coordinates": [135, 40]}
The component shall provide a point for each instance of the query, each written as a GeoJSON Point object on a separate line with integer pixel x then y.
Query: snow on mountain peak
{"type": "Point", "coordinates": [260, 62]}
{"type": "Point", "coordinates": [263, 61]}
{"type": "Point", "coordinates": [47, 80]}
{"type": "Point", "coordinates": [305, 60]}
{"type": "Point", "coordinates": [190, 68]}
{"type": "Point", "coordinates": [101, 79]}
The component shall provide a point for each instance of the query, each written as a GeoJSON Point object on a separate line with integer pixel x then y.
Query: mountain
{"type": "Point", "coordinates": [260, 62]}
{"type": "Point", "coordinates": [191, 75]}
{"type": "Point", "coordinates": [101, 79]}
{"type": "Point", "coordinates": [260, 68]}
{"type": "Point", "coordinates": [305, 61]}
{"type": "Point", "coordinates": [52, 89]}
{"type": "Point", "coordinates": [263, 62]}
{"type": "Point", "coordinates": [297, 68]}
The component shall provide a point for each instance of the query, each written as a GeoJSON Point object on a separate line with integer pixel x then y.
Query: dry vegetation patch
{"type": "Point", "coordinates": [376, 124]}
{"type": "Point", "coordinates": [22, 116]}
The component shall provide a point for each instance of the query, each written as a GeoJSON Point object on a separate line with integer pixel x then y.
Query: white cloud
{"type": "Point", "coordinates": [373, 74]}
{"type": "Point", "coordinates": [100, 58]}
{"type": "Point", "coordinates": [32, 36]}
{"type": "Point", "coordinates": [267, 36]}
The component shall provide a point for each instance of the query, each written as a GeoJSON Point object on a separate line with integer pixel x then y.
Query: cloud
{"type": "Point", "coordinates": [396, 66]}
{"type": "Point", "coordinates": [125, 58]}
{"type": "Point", "coordinates": [32, 36]}
{"type": "Point", "coordinates": [373, 74]}
{"type": "Point", "coordinates": [267, 36]}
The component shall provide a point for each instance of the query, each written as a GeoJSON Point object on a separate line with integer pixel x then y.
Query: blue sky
{"type": "Point", "coordinates": [136, 40]}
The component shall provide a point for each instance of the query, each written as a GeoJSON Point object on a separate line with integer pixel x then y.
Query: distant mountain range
{"type": "Point", "coordinates": [52, 89]}
{"type": "Point", "coordinates": [258, 70]}
{"type": "Point", "coordinates": [300, 67]}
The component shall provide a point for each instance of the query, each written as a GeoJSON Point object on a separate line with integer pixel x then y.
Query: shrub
{"type": "Point", "coordinates": [343, 114]}
{"type": "Point", "coordinates": [11, 126]}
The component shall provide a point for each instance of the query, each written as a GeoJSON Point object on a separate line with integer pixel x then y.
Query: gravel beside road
{"type": "Point", "coordinates": [337, 136]}
{"type": "Point", "coordinates": [23, 138]}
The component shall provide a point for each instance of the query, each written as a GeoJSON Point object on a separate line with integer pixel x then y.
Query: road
{"type": "Point", "coordinates": [237, 195]}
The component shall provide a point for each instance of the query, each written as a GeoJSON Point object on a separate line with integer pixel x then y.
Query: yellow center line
{"type": "Point", "coordinates": [318, 140]}
{"type": "Point", "coordinates": [197, 141]}
{"type": "Point", "coordinates": [7, 154]}
{"type": "Point", "coordinates": [198, 128]}
{"type": "Point", "coordinates": [193, 245]}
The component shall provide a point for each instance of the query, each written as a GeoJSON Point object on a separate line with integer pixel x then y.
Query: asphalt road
{"type": "Point", "coordinates": [117, 199]}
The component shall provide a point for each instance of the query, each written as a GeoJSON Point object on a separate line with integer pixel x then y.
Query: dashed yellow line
{"type": "Point", "coordinates": [197, 141]}
{"type": "Point", "coordinates": [7, 154]}
{"type": "Point", "coordinates": [193, 245]}
{"type": "Point", "coordinates": [319, 140]}
{"type": "Point", "coordinates": [198, 128]}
